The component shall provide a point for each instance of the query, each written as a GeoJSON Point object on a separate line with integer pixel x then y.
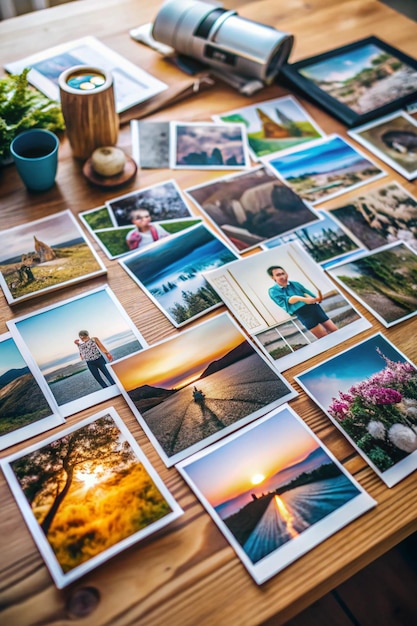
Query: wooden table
{"type": "Point", "coordinates": [189, 574]}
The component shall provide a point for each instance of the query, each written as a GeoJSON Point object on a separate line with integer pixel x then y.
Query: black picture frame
{"type": "Point", "coordinates": [292, 74]}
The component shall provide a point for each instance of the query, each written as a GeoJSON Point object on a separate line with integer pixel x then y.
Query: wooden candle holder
{"type": "Point", "coordinates": [89, 110]}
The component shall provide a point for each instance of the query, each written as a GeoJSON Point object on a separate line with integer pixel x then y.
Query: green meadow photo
{"type": "Point", "coordinates": [384, 281]}
{"type": "Point", "coordinates": [24, 410]}
{"type": "Point", "coordinates": [274, 125]}
{"type": "Point", "coordinates": [44, 255]}
{"type": "Point", "coordinates": [113, 240]}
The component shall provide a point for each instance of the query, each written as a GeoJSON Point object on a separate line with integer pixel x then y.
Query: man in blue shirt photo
{"type": "Point", "coordinates": [296, 300]}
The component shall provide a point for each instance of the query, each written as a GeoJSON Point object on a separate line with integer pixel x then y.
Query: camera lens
{"type": "Point", "coordinates": [221, 39]}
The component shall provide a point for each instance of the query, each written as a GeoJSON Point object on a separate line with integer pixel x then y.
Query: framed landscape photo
{"type": "Point", "coordinates": [87, 493]}
{"type": "Point", "coordinates": [358, 82]}
{"type": "Point", "coordinates": [274, 491]}
{"type": "Point", "coordinates": [198, 386]}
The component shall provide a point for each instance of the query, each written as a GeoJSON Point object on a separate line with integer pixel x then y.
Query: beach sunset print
{"type": "Point", "coordinates": [270, 484]}
{"type": "Point", "coordinates": [192, 389]}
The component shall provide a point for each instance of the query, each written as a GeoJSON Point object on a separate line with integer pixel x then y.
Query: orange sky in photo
{"type": "Point", "coordinates": [178, 361]}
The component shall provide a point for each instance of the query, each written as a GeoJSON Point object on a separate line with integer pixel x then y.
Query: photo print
{"type": "Point", "coordinates": [192, 389]}
{"type": "Point", "coordinates": [26, 406]}
{"type": "Point", "coordinates": [379, 216]}
{"type": "Point", "coordinates": [251, 207]}
{"type": "Point", "coordinates": [326, 241]}
{"type": "Point", "coordinates": [73, 364]}
{"type": "Point", "coordinates": [118, 241]}
{"type": "Point", "coordinates": [163, 201]}
{"type": "Point", "coordinates": [150, 144]}
{"type": "Point", "coordinates": [42, 256]}
{"type": "Point", "coordinates": [358, 82]}
{"type": "Point", "coordinates": [132, 84]}
{"type": "Point", "coordinates": [87, 493]}
{"type": "Point", "coordinates": [287, 304]}
{"type": "Point", "coordinates": [274, 491]}
{"type": "Point", "coordinates": [96, 219]}
{"type": "Point", "coordinates": [171, 272]}
{"type": "Point", "coordinates": [208, 146]}
{"type": "Point", "coordinates": [274, 125]}
{"type": "Point", "coordinates": [383, 280]}
{"type": "Point", "coordinates": [324, 169]}
{"type": "Point", "coordinates": [369, 392]}
{"type": "Point", "coordinates": [393, 139]}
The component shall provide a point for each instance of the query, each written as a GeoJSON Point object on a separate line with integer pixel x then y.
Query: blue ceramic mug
{"type": "Point", "coordinates": [35, 153]}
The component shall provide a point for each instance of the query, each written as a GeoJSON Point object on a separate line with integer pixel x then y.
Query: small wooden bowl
{"type": "Point", "coordinates": [107, 182]}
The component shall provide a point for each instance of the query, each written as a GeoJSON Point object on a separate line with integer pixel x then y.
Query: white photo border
{"type": "Point", "coordinates": [309, 538]}
{"type": "Point", "coordinates": [401, 469]}
{"type": "Point", "coordinates": [188, 451]}
{"type": "Point", "coordinates": [60, 578]}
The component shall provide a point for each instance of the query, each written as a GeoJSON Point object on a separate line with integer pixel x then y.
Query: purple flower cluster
{"type": "Point", "coordinates": [382, 388]}
{"type": "Point", "coordinates": [382, 395]}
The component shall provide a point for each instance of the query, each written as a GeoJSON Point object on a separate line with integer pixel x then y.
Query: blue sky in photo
{"type": "Point", "coordinates": [342, 66]}
{"type": "Point", "coordinates": [50, 334]}
{"type": "Point", "coordinates": [10, 357]}
{"type": "Point", "coordinates": [285, 105]}
{"type": "Point", "coordinates": [341, 372]}
{"type": "Point", "coordinates": [332, 154]}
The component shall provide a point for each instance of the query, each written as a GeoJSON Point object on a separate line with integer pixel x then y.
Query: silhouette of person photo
{"type": "Point", "coordinates": [198, 395]}
{"type": "Point", "coordinates": [297, 300]}
{"type": "Point", "coordinates": [91, 351]}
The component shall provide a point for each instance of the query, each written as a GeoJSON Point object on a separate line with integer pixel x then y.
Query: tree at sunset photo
{"type": "Point", "coordinates": [88, 490]}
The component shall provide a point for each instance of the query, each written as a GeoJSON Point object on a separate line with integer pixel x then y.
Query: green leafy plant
{"type": "Point", "coordinates": [22, 108]}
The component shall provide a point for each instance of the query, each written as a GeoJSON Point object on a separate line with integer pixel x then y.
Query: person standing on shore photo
{"type": "Point", "coordinates": [297, 300]}
{"type": "Point", "coordinates": [91, 351]}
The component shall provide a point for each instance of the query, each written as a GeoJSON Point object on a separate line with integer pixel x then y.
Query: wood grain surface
{"type": "Point", "coordinates": [188, 574]}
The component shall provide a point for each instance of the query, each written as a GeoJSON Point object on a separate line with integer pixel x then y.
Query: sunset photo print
{"type": "Point", "coordinates": [274, 491]}
{"type": "Point", "coordinates": [192, 389]}
{"type": "Point", "coordinates": [87, 493]}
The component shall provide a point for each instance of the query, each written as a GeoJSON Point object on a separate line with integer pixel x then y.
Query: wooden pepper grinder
{"type": "Point", "coordinates": [88, 107]}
